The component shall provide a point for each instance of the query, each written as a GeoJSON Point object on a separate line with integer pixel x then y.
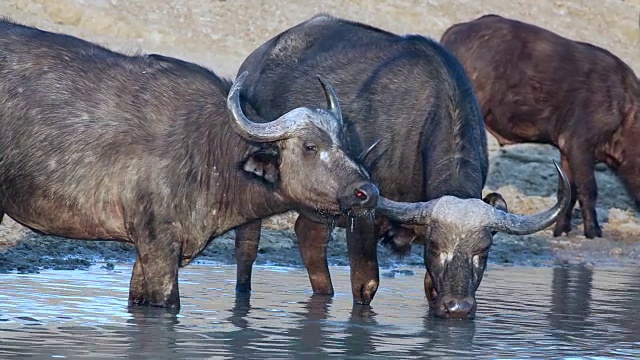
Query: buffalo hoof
{"type": "Point", "coordinates": [142, 303]}
{"type": "Point", "coordinates": [366, 293]}
{"type": "Point", "coordinates": [592, 231]}
{"type": "Point", "coordinates": [323, 292]}
{"type": "Point", "coordinates": [562, 227]}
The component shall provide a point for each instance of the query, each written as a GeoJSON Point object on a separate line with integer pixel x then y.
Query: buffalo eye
{"type": "Point", "coordinates": [310, 147]}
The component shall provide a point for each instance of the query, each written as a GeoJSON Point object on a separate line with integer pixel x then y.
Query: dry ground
{"type": "Point", "coordinates": [219, 34]}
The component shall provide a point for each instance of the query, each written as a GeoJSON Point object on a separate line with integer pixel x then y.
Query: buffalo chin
{"type": "Point", "coordinates": [359, 212]}
{"type": "Point", "coordinates": [337, 217]}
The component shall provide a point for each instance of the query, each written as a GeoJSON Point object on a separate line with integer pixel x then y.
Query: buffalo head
{"type": "Point", "coordinates": [302, 153]}
{"type": "Point", "coordinates": [458, 236]}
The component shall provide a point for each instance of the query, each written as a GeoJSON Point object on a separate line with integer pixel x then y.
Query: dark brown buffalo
{"type": "Point", "coordinates": [413, 96]}
{"type": "Point", "coordinates": [142, 149]}
{"type": "Point", "coordinates": [536, 86]}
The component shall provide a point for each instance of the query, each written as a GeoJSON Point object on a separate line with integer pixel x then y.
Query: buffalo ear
{"type": "Point", "coordinates": [497, 201]}
{"type": "Point", "coordinates": [399, 239]}
{"type": "Point", "coordinates": [263, 163]}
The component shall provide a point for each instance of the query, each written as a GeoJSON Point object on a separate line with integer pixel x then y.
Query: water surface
{"type": "Point", "coordinates": [523, 312]}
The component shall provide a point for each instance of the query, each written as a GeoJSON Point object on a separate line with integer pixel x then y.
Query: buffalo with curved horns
{"type": "Point", "coordinates": [142, 149]}
{"type": "Point", "coordinates": [465, 228]}
{"type": "Point", "coordinates": [411, 97]}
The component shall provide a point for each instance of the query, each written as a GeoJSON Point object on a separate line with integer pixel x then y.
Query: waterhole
{"type": "Point", "coordinates": [565, 312]}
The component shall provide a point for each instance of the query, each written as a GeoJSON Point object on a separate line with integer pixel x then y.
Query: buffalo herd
{"type": "Point", "coordinates": [347, 124]}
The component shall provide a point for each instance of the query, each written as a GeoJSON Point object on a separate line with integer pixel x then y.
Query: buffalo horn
{"type": "Point", "coordinates": [367, 151]}
{"type": "Point", "coordinates": [418, 213]}
{"type": "Point", "coordinates": [281, 128]}
{"type": "Point", "coordinates": [529, 224]}
{"type": "Point", "coordinates": [332, 100]}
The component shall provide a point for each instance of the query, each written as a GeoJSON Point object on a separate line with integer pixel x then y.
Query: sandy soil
{"type": "Point", "coordinates": [219, 34]}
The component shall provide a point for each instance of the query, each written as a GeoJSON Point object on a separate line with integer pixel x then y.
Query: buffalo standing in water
{"type": "Point", "coordinates": [536, 86]}
{"type": "Point", "coordinates": [142, 149]}
{"type": "Point", "coordinates": [413, 96]}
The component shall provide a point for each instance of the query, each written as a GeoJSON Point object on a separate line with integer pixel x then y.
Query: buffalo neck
{"type": "Point", "coordinates": [459, 166]}
{"type": "Point", "coordinates": [215, 193]}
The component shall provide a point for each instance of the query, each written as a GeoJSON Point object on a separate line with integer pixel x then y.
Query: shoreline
{"type": "Point", "coordinates": [35, 252]}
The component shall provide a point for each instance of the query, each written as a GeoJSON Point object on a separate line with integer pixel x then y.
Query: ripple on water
{"type": "Point", "coordinates": [522, 312]}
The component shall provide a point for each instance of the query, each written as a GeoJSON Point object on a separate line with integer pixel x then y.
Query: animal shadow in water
{"type": "Point", "coordinates": [448, 334]}
{"type": "Point", "coordinates": [311, 331]}
{"type": "Point", "coordinates": [575, 313]}
{"type": "Point", "coordinates": [246, 338]}
{"type": "Point", "coordinates": [308, 337]}
{"type": "Point", "coordinates": [311, 335]}
{"type": "Point", "coordinates": [630, 307]}
{"type": "Point", "coordinates": [359, 340]}
{"type": "Point", "coordinates": [153, 332]}
{"type": "Point", "coordinates": [571, 302]}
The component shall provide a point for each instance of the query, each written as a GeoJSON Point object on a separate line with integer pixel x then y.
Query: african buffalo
{"type": "Point", "coordinates": [142, 149]}
{"type": "Point", "coordinates": [536, 86]}
{"type": "Point", "coordinates": [413, 96]}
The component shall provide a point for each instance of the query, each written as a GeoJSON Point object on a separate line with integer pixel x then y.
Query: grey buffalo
{"type": "Point", "coordinates": [411, 97]}
{"type": "Point", "coordinates": [156, 152]}
{"type": "Point", "coordinates": [536, 86]}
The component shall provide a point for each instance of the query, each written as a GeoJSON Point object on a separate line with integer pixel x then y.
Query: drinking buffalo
{"type": "Point", "coordinates": [536, 86]}
{"type": "Point", "coordinates": [99, 145]}
{"type": "Point", "coordinates": [413, 96]}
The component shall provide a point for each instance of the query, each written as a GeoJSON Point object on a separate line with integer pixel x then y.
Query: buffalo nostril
{"type": "Point", "coordinates": [361, 195]}
{"type": "Point", "coordinates": [450, 306]}
{"type": "Point", "coordinates": [366, 195]}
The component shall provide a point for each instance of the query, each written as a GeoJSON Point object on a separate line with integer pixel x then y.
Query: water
{"type": "Point", "coordinates": [523, 312]}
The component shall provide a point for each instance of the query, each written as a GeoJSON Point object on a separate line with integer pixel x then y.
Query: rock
{"type": "Point", "coordinates": [615, 251]}
{"type": "Point", "coordinates": [395, 273]}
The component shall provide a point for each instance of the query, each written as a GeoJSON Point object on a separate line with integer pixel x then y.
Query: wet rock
{"type": "Point", "coordinates": [615, 251]}
{"type": "Point", "coordinates": [395, 273]}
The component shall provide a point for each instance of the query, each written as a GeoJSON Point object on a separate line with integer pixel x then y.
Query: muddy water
{"type": "Point", "coordinates": [523, 312]}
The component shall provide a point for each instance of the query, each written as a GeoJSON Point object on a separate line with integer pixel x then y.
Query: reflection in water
{"type": "Point", "coordinates": [623, 298]}
{"type": "Point", "coordinates": [152, 329]}
{"type": "Point", "coordinates": [455, 336]}
{"type": "Point", "coordinates": [571, 302]}
{"type": "Point", "coordinates": [309, 332]}
{"type": "Point", "coordinates": [539, 312]}
{"type": "Point", "coordinates": [358, 340]}
{"type": "Point", "coordinates": [237, 339]}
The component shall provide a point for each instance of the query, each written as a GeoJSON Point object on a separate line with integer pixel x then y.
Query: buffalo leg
{"type": "Point", "coordinates": [362, 242]}
{"type": "Point", "coordinates": [563, 225]}
{"type": "Point", "coordinates": [582, 164]}
{"type": "Point", "coordinates": [137, 285]}
{"type": "Point", "coordinates": [247, 240]}
{"type": "Point", "coordinates": [312, 242]}
{"type": "Point", "coordinates": [154, 280]}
